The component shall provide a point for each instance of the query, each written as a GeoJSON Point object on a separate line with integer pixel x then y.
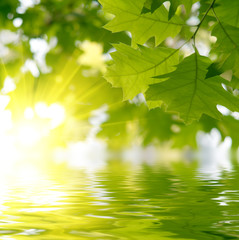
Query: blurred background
{"type": "Point", "coordinates": [77, 162]}
{"type": "Point", "coordinates": [54, 99]}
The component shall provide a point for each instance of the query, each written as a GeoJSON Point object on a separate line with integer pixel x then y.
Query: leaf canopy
{"type": "Point", "coordinates": [195, 87]}
{"type": "Point", "coordinates": [227, 46]}
{"type": "Point", "coordinates": [129, 17]}
{"type": "Point", "coordinates": [133, 69]}
{"type": "Point", "coordinates": [228, 11]}
{"type": "Point", "coordinates": [149, 41]}
{"type": "Point", "coordinates": [190, 94]}
{"type": "Point", "coordinates": [152, 5]}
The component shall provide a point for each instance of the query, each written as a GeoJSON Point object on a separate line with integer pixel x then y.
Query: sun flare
{"type": "Point", "coordinates": [28, 134]}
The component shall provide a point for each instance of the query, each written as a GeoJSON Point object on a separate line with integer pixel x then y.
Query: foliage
{"type": "Point", "coordinates": [137, 67]}
{"type": "Point", "coordinates": [42, 51]}
{"type": "Point", "coordinates": [177, 58]}
{"type": "Point", "coordinates": [172, 68]}
{"type": "Point", "coordinates": [191, 94]}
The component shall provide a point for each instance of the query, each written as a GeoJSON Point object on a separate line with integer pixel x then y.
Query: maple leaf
{"type": "Point", "coordinates": [190, 94]}
{"type": "Point", "coordinates": [227, 46]}
{"type": "Point", "coordinates": [227, 12]}
{"type": "Point", "coordinates": [175, 3]}
{"type": "Point", "coordinates": [152, 5]}
{"type": "Point", "coordinates": [133, 69]}
{"type": "Point", "coordinates": [129, 17]}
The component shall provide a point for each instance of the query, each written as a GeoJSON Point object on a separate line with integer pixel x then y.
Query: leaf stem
{"type": "Point", "coordinates": [203, 18]}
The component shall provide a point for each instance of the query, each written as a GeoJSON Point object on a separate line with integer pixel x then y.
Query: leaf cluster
{"type": "Point", "coordinates": [183, 57]}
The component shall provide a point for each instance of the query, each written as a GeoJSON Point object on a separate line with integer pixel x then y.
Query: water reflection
{"type": "Point", "coordinates": [120, 202]}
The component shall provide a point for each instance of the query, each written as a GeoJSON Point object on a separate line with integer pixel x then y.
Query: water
{"type": "Point", "coordinates": [122, 201]}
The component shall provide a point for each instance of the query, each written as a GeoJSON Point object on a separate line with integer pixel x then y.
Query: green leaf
{"type": "Point", "coordinates": [156, 4]}
{"type": "Point", "coordinates": [227, 46]}
{"type": "Point", "coordinates": [190, 94]}
{"type": "Point", "coordinates": [152, 5]}
{"type": "Point", "coordinates": [227, 37]}
{"type": "Point", "coordinates": [128, 17]}
{"type": "Point", "coordinates": [175, 3]}
{"type": "Point", "coordinates": [173, 8]}
{"type": "Point", "coordinates": [227, 11]}
{"type": "Point", "coordinates": [133, 69]}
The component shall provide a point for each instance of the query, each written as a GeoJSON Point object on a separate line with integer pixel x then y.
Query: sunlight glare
{"type": "Point", "coordinates": [41, 110]}
{"type": "Point", "coordinates": [24, 138]}
{"type": "Point", "coordinates": [8, 86]}
{"type": "Point", "coordinates": [55, 113]}
{"type": "Point", "coordinates": [28, 113]}
{"type": "Point", "coordinates": [29, 135]}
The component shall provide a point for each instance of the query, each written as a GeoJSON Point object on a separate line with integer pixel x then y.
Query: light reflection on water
{"type": "Point", "coordinates": [121, 202]}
